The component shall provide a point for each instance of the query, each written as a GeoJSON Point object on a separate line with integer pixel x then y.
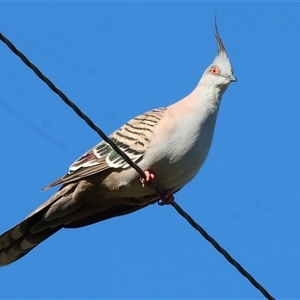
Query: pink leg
{"type": "Point", "coordinates": [150, 180]}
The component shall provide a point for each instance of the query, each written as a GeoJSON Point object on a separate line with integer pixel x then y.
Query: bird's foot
{"type": "Point", "coordinates": [167, 198]}
{"type": "Point", "coordinates": [150, 180]}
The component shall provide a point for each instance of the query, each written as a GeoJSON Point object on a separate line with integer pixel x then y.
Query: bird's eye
{"type": "Point", "coordinates": [214, 70]}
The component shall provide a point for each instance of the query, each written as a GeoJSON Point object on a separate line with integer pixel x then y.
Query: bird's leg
{"type": "Point", "coordinates": [167, 198]}
{"type": "Point", "coordinates": [150, 180]}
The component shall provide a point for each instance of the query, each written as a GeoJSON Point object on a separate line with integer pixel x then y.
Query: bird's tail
{"type": "Point", "coordinates": [66, 208]}
{"type": "Point", "coordinates": [19, 240]}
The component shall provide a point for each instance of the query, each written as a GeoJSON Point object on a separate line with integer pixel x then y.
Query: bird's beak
{"type": "Point", "coordinates": [232, 78]}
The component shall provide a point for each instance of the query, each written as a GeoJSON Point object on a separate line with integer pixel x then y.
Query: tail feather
{"type": "Point", "coordinates": [74, 205]}
{"type": "Point", "coordinates": [18, 241]}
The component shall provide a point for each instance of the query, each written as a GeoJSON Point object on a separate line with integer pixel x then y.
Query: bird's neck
{"type": "Point", "coordinates": [203, 101]}
{"type": "Point", "coordinates": [193, 122]}
{"type": "Point", "coordinates": [194, 117]}
{"type": "Point", "coordinates": [207, 96]}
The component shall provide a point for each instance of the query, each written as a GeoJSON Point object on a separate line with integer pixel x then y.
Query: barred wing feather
{"type": "Point", "coordinates": [132, 138]}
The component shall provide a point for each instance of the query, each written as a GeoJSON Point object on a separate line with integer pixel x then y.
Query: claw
{"type": "Point", "coordinates": [167, 199]}
{"type": "Point", "coordinates": [150, 180]}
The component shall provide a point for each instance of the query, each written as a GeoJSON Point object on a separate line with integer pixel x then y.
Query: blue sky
{"type": "Point", "coordinates": [118, 60]}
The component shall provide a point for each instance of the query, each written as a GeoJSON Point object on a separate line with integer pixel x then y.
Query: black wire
{"type": "Point", "coordinates": [71, 104]}
{"type": "Point", "coordinates": [222, 251]}
{"type": "Point", "coordinates": [133, 165]}
{"type": "Point", "coordinates": [76, 109]}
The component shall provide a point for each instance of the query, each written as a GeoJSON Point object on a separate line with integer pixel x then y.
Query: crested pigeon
{"type": "Point", "coordinates": [170, 144]}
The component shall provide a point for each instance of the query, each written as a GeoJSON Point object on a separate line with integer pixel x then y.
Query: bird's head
{"type": "Point", "coordinates": [220, 72]}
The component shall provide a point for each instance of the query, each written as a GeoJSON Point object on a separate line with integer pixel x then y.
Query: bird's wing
{"type": "Point", "coordinates": [132, 138]}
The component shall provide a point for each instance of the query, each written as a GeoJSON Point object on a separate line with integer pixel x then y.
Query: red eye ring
{"type": "Point", "coordinates": [214, 70]}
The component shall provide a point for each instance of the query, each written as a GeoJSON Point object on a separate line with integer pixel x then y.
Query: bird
{"type": "Point", "coordinates": [169, 144]}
